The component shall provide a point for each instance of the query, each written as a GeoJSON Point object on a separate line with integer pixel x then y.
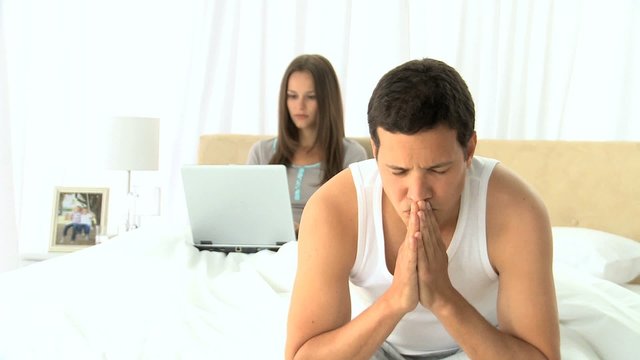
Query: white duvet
{"type": "Point", "coordinates": [149, 294]}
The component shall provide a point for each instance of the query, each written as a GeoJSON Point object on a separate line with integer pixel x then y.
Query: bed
{"type": "Point", "coordinates": [149, 294]}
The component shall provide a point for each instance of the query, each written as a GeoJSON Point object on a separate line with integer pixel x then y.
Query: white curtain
{"type": "Point", "coordinates": [538, 69]}
{"type": "Point", "coordinates": [9, 259]}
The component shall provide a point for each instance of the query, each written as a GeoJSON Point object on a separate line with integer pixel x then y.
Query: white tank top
{"type": "Point", "coordinates": [419, 332]}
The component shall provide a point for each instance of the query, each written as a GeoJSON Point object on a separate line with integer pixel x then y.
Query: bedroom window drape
{"type": "Point", "coordinates": [8, 225]}
{"type": "Point", "coordinates": [538, 69]}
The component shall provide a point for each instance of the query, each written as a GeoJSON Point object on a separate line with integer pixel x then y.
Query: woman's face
{"type": "Point", "coordinates": [301, 100]}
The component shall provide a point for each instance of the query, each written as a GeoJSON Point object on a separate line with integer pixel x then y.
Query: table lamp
{"type": "Point", "coordinates": [134, 146]}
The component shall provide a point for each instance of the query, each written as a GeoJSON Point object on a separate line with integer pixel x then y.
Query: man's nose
{"type": "Point", "coordinates": [419, 188]}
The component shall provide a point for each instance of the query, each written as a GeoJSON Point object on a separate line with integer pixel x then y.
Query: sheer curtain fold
{"type": "Point", "coordinates": [537, 69]}
{"type": "Point", "coordinates": [9, 258]}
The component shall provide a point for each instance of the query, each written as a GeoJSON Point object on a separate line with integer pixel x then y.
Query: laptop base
{"type": "Point", "coordinates": [236, 249]}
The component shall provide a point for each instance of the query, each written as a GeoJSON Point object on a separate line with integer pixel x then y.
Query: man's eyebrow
{"type": "Point", "coordinates": [434, 166]}
{"type": "Point", "coordinates": [395, 167]}
{"type": "Point", "coordinates": [441, 164]}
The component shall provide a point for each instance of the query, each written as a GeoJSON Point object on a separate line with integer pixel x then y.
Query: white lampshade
{"type": "Point", "coordinates": [134, 143]}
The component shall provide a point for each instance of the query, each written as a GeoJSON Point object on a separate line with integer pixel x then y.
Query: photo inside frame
{"type": "Point", "coordinates": [79, 217]}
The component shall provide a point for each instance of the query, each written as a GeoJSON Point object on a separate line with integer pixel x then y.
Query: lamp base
{"type": "Point", "coordinates": [132, 221]}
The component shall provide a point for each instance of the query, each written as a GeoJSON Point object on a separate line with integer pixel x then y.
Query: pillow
{"type": "Point", "coordinates": [597, 253]}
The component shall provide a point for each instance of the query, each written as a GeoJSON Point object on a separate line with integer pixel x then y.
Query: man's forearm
{"type": "Point", "coordinates": [360, 338]}
{"type": "Point", "coordinates": [478, 338]}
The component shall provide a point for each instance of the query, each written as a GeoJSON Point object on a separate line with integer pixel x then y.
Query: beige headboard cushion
{"type": "Point", "coordinates": [589, 184]}
{"type": "Point", "coordinates": [234, 148]}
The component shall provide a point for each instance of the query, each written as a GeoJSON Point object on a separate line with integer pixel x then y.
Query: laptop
{"type": "Point", "coordinates": [238, 208]}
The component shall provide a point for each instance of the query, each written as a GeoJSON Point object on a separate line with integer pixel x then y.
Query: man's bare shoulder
{"type": "Point", "coordinates": [517, 219]}
{"type": "Point", "coordinates": [338, 195]}
{"type": "Point", "coordinates": [330, 217]}
{"type": "Point", "coordinates": [508, 191]}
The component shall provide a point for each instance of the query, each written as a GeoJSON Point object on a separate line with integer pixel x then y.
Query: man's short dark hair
{"type": "Point", "coordinates": [420, 95]}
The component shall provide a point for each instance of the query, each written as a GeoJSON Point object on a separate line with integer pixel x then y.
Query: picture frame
{"type": "Point", "coordinates": [79, 216]}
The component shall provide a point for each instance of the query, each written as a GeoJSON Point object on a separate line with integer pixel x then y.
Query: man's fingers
{"type": "Point", "coordinates": [435, 231]}
{"type": "Point", "coordinates": [410, 239]}
{"type": "Point", "coordinates": [413, 224]}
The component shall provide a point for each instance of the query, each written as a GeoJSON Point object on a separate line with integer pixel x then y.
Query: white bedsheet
{"type": "Point", "coordinates": [150, 295]}
{"type": "Point", "coordinates": [633, 287]}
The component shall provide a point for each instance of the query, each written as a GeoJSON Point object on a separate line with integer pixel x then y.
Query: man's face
{"type": "Point", "coordinates": [429, 165]}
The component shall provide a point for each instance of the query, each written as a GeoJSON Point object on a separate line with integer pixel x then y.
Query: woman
{"type": "Point", "coordinates": [311, 141]}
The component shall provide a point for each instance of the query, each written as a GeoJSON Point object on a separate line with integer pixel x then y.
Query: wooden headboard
{"type": "Point", "coordinates": [588, 184]}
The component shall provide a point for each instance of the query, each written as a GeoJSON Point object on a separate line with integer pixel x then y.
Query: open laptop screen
{"type": "Point", "coordinates": [238, 207]}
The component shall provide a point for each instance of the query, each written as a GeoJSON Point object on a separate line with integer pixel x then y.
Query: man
{"type": "Point", "coordinates": [449, 253]}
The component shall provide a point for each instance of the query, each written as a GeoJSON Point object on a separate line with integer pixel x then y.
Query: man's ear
{"type": "Point", "coordinates": [471, 148]}
{"type": "Point", "coordinates": [374, 149]}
